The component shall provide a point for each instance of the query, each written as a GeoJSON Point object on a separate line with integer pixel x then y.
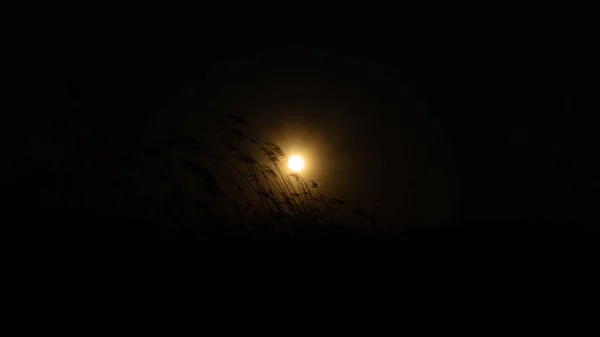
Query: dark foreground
{"type": "Point", "coordinates": [106, 236]}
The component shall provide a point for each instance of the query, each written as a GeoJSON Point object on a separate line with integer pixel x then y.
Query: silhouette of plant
{"type": "Point", "coordinates": [245, 184]}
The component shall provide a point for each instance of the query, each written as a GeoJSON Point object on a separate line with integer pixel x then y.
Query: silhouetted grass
{"type": "Point", "coordinates": [240, 185]}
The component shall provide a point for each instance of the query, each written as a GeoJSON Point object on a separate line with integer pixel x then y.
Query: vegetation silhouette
{"type": "Point", "coordinates": [242, 188]}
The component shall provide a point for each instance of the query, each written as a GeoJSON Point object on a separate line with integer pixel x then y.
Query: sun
{"type": "Point", "coordinates": [296, 163]}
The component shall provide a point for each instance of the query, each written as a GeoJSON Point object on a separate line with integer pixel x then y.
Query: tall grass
{"type": "Point", "coordinates": [246, 184]}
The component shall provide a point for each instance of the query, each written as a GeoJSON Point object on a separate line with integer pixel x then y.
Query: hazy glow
{"type": "Point", "coordinates": [296, 164]}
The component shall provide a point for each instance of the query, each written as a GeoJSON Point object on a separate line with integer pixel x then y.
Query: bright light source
{"type": "Point", "coordinates": [296, 164]}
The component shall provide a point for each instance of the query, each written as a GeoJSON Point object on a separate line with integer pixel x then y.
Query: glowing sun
{"type": "Point", "coordinates": [296, 163]}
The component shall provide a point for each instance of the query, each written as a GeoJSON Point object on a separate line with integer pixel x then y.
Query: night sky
{"type": "Point", "coordinates": [448, 114]}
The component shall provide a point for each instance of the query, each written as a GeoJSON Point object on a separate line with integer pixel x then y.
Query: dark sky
{"type": "Point", "coordinates": [447, 113]}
